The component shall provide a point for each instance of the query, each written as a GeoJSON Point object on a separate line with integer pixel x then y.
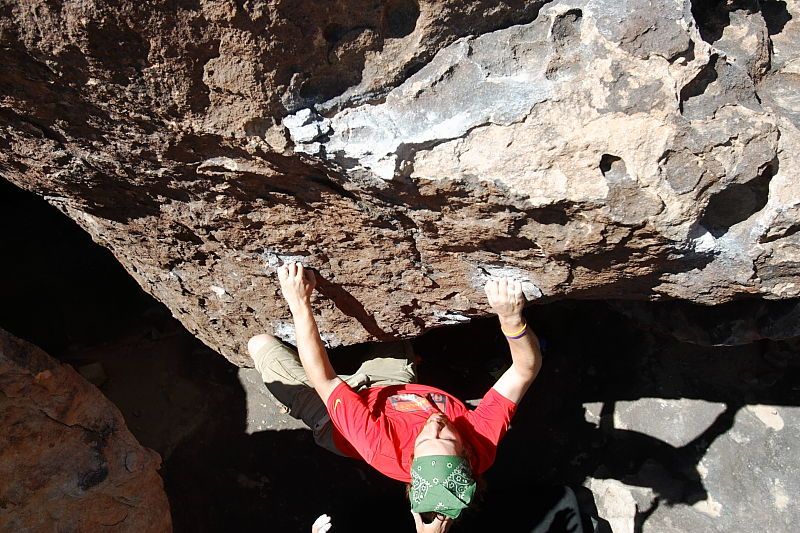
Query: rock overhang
{"type": "Point", "coordinates": [590, 149]}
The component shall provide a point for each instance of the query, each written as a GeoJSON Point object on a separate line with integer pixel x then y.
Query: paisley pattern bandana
{"type": "Point", "coordinates": [441, 484]}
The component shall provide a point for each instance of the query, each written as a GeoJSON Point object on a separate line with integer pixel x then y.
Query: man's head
{"type": "Point", "coordinates": [441, 475]}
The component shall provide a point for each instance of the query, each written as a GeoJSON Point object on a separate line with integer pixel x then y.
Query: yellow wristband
{"type": "Point", "coordinates": [517, 334]}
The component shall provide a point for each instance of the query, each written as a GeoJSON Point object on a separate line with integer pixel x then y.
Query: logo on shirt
{"type": "Point", "coordinates": [336, 403]}
{"type": "Point", "coordinates": [414, 403]}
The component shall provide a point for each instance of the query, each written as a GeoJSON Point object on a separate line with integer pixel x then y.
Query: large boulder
{"type": "Point", "coordinates": [407, 150]}
{"type": "Point", "coordinates": [67, 461]}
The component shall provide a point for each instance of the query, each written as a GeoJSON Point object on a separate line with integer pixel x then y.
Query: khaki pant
{"type": "Point", "coordinates": [283, 374]}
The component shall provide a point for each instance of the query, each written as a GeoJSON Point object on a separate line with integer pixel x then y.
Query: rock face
{"type": "Point", "coordinates": [638, 149]}
{"type": "Point", "coordinates": [67, 461]}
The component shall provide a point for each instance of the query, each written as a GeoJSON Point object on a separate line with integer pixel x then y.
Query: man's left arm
{"type": "Point", "coordinates": [508, 301]}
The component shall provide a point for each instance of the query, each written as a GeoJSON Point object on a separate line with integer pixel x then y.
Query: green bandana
{"type": "Point", "coordinates": [441, 484]}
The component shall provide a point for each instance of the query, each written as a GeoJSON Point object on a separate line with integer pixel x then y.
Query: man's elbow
{"type": "Point", "coordinates": [325, 388]}
{"type": "Point", "coordinates": [527, 371]}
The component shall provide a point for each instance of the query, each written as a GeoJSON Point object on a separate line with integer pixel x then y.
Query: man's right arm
{"type": "Point", "coordinates": [297, 284]}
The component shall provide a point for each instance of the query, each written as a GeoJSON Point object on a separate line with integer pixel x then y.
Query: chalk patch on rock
{"type": "Point", "coordinates": [615, 503]}
{"type": "Point", "coordinates": [767, 414]}
{"type": "Point", "coordinates": [709, 506]}
{"type": "Point", "coordinates": [704, 241]}
{"type": "Point", "coordinates": [591, 412]}
{"type": "Point", "coordinates": [284, 330]}
{"type": "Point", "coordinates": [447, 98]}
{"type": "Point", "coordinates": [219, 162]}
{"type": "Point", "coordinates": [485, 272]}
{"type": "Point", "coordinates": [330, 340]}
{"type": "Point", "coordinates": [273, 259]}
{"type": "Point", "coordinates": [219, 291]}
{"type": "Point", "coordinates": [305, 126]}
{"type": "Point", "coordinates": [779, 495]}
{"type": "Point", "coordinates": [445, 317]}
{"type": "Point", "coordinates": [702, 469]}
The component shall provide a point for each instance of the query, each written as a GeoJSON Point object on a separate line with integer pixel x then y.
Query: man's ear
{"type": "Point", "coordinates": [417, 520]}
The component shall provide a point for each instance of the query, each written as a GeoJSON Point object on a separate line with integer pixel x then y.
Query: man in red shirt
{"type": "Point", "coordinates": [410, 432]}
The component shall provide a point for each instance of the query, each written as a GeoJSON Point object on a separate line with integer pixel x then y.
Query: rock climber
{"type": "Point", "coordinates": [414, 433]}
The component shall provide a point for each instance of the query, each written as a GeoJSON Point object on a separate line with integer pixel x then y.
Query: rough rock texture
{"type": "Point", "coordinates": [67, 461]}
{"type": "Point", "coordinates": [638, 149]}
{"type": "Point", "coordinates": [746, 474]}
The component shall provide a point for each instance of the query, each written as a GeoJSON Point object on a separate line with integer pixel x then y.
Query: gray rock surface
{"type": "Point", "coordinates": [643, 149]}
{"type": "Point", "coordinates": [748, 473]}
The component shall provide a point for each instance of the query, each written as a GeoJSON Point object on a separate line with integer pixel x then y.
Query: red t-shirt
{"type": "Point", "coordinates": [380, 424]}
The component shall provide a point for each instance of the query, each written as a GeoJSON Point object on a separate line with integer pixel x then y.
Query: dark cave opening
{"type": "Point", "coordinates": [231, 463]}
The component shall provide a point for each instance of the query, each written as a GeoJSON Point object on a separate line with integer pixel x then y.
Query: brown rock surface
{"type": "Point", "coordinates": [640, 149]}
{"type": "Point", "coordinates": [67, 461]}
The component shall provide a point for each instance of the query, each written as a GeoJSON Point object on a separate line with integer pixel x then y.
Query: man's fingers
{"type": "Point", "coordinates": [491, 288]}
{"type": "Point", "coordinates": [443, 523]}
{"type": "Point", "coordinates": [517, 289]}
{"type": "Point", "coordinates": [502, 286]}
{"type": "Point", "coordinates": [321, 524]}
